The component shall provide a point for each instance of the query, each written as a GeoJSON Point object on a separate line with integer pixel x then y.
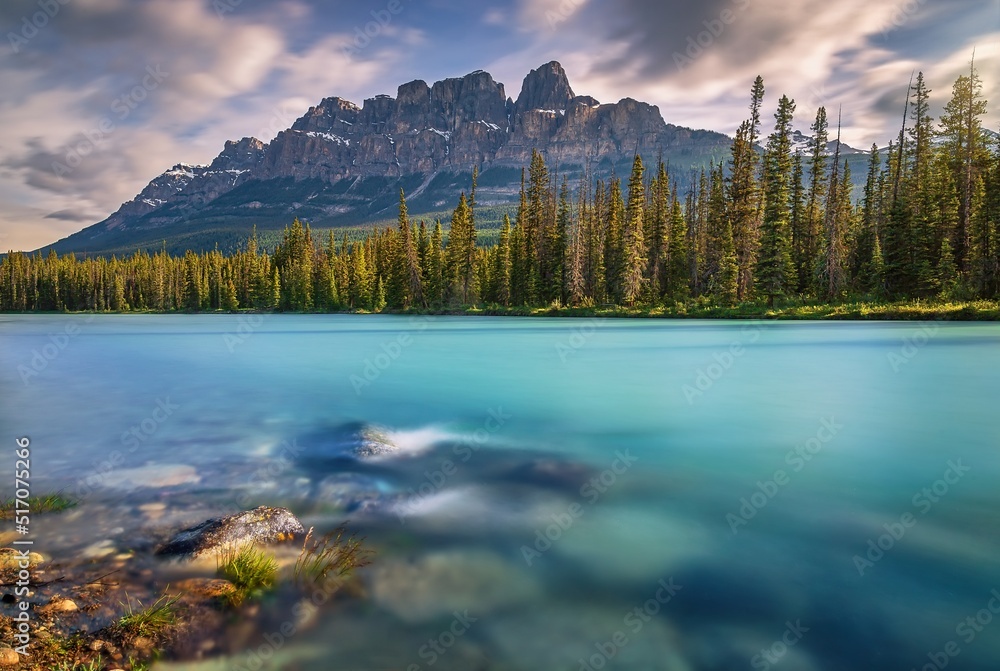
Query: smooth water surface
{"type": "Point", "coordinates": [569, 494]}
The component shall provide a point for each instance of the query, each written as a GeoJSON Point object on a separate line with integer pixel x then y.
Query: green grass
{"type": "Point", "coordinates": [251, 570]}
{"type": "Point", "coordinates": [800, 310]}
{"type": "Point", "coordinates": [95, 665]}
{"type": "Point", "coordinates": [331, 557]}
{"type": "Point", "coordinates": [37, 505]}
{"type": "Point", "coordinates": [149, 622]}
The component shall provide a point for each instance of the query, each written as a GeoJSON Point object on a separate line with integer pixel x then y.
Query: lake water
{"type": "Point", "coordinates": [568, 494]}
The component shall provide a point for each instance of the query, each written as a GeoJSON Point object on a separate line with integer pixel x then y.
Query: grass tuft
{"type": "Point", "coordinates": [148, 622]}
{"type": "Point", "coordinates": [331, 557]}
{"type": "Point", "coordinates": [37, 505]}
{"type": "Point", "coordinates": [95, 665]}
{"type": "Point", "coordinates": [251, 570]}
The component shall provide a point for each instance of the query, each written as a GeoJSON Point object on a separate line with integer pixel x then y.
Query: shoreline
{"type": "Point", "coordinates": [966, 311]}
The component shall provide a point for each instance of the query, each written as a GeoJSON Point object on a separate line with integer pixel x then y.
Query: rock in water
{"type": "Point", "coordinates": [350, 441]}
{"type": "Point", "coordinates": [373, 443]}
{"type": "Point", "coordinates": [261, 526]}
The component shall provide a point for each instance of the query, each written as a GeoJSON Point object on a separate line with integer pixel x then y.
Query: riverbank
{"type": "Point", "coordinates": [970, 311]}
{"type": "Point", "coordinates": [857, 311]}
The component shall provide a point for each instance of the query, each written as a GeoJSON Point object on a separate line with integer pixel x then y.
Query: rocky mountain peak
{"type": "Point", "coordinates": [348, 155]}
{"type": "Point", "coordinates": [545, 88]}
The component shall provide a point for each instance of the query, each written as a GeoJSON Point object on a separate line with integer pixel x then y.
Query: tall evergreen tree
{"type": "Point", "coordinates": [634, 244]}
{"type": "Point", "coordinates": [775, 270]}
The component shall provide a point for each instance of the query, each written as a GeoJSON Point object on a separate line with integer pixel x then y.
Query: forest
{"type": "Point", "coordinates": [767, 227]}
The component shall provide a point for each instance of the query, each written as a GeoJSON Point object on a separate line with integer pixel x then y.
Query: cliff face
{"type": "Point", "coordinates": [448, 127]}
{"type": "Point", "coordinates": [187, 188]}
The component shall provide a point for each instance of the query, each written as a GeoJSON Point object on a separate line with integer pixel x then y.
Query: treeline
{"type": "Point", "coordinates": [764, 226]}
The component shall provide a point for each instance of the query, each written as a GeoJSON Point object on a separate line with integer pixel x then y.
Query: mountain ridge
{"type": "Point", "coordinates": [342, 164]}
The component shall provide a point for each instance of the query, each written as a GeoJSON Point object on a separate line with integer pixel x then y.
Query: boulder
{"type": "Point", "coordinates": [352, 441]}
{"type": "Point", "coordinates": [263, 526]}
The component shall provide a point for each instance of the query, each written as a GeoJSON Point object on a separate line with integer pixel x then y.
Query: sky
{"type": "Point", "coordinates": [100, 96]}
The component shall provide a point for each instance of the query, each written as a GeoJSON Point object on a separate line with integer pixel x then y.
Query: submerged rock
{"type": "Point", "coordinates": [354, 493]}
{"type": "Point", "coordinates": [373, 442]}
{"type": "Point", "coordinates": [203, 589]}
{"type": "Point", "coordinates": [261, 525]}
{"type": "Point", "coordinates": [350, 441]}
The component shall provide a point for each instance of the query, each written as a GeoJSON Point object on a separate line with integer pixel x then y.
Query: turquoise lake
{"type": "Point", "coordinates": [566, 494]}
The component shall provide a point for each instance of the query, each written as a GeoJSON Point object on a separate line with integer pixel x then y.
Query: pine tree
{"type": "Point", "coordinates": [961, 126]}
{"type": "Point", "coordinates": [555, 247]}
{"type": "Point", "coordinates": [436, 267]}
{"type": "Point", "coordinates": [800, 225]}
{"type": "Point", "coordinates": [502, 265]}
{"type": "Point", "coordinates": [814, 231]}
{"type": "Point", "coordinates": [461, 254]}
{"type": "Point", "coordinates": [657, 227]}
{"type": "Point", "coordinates": [744, 193]}
{"type": "Point", "coordinates": [614, 243]}
{"type": "Point", "coordinates": [634, 244]}
{"type": "Point", "coordinates": [678, 263]}
{"type": "Point", "coordinates": [775, 270]}
{"type": "Point", "coordinates": [837, 204]}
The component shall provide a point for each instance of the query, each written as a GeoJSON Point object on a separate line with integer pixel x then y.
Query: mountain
{"type": "Point", "coordinates": [803, 143]}
{"type": "Point", "coordinates": [343, 165]}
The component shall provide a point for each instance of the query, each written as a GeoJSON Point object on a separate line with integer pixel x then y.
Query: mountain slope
{"type": "Point", "coordinates": [343, 165]}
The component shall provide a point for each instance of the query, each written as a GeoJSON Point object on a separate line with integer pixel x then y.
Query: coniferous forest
{"type": "Point", "coordinates": [767, 227]}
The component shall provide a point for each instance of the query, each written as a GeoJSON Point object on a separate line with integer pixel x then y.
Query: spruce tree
{"type": "Point", "coordinates": [634, 261]}
{"type": "Point", "coordinates": [775, 271]}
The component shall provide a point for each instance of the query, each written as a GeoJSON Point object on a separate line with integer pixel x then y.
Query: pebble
{"type": "Point", "coordinates": [10, 558]}
{"type": "Point", "coordinates": [99, 550]}
{"type": "Point", "coordinates": [9, 657]}
{"type": "Point", "coordinates": [153, 511]}
{"type": "Point", "coordinates": [204, 588]}
{"type": "Point", "coordinates": [59, 605]}
{"type": "Point", "coordinates": [143, 644]}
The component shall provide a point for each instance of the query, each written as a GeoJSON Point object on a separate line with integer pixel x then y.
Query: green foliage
{"type": "Point", "coordinates": [332, 557]}
{"type": "Point", "coordinates": [149, 622]}
{"type": "Point", "coordinates": [251, 570]}
{"type": "Point", "coordinates": [38, 505]}
{"type": "Point", "coordinates": [766, 225]}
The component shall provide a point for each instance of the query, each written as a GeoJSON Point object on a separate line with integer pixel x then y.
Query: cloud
{"type": "Point", "coordinates": [69, 215]}
{"type": "Point", "coordinates": [254, 70]}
